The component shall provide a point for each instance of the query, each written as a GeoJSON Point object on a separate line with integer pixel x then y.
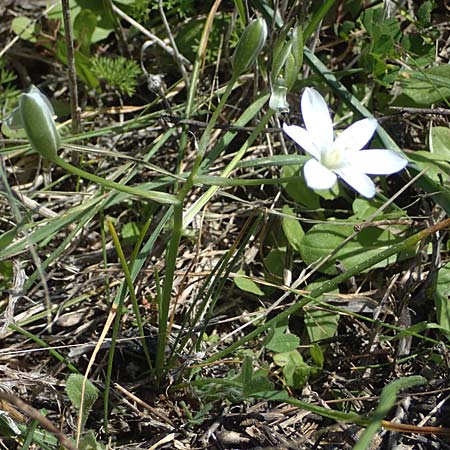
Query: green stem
{"type": "Point", "coordinates": [172, 251]}
{"type": "Point", "coordinates": [161, 197]}
{"type": "Point", "coordinates": [171, 259]}
{"type": "Point", "coordinates": [330, 285]}
{"type": "Point", "coordinates": [131, 290]}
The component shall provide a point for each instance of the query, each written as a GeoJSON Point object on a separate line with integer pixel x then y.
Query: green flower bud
{"type": "Point", "coordinates": [249, 46]}
{"type": "Point", "coordinates": [37, 118]}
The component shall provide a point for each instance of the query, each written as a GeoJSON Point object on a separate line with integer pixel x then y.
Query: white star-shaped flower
{"type": "Point", "coordinates": [342, 156]}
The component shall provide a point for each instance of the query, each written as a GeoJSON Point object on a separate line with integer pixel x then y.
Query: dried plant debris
{"type": "Point", "coordinates": [245, 243]}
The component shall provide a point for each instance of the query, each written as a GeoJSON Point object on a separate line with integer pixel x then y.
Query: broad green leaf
{"type": "Point", "coordinates": [246, 284]}
{"type": "Point", "coordinates": [104, 26]}
{"type": "Point", "coordinates": [321, 324]}
{"type": "Point", "coordinates": [442, 297]}
{"type": "Point", "coordinates": [296, 372]}
{"type": "Point", "coordinates": [274, 263]}
{"type": "Point", "coordinates": [427, 86]}
{"type": "Point", "coordinates": [322, 240]}
{"type": "Point", "coordinates": [74, 387]}
{"type": "Point", "coordinates": [292, 229]}
{"type": "Point", "coordinates": [74, 390]}
{"type": "Point", "coordinates": [24, 28]}
{"type": "Point", "coordinates": [83, 28]}
{"type": "Point", "coordinates": [130, 233]}
{"type": "Point", "coordinates": [285, 342]}
{"type": "Point", "coordinates": [440, 142]}
{"type": "Point", "coordinates": [283, 359]}
{"type": "Point", "coordinates": [317, 355]}
{"type": "Point", "coordinates": [258, 385]}
{"type": "Point", "coordinates": [90, 443]}
{"type": "Point", "coordinates": [364, 208]}
{"type": "Point", "coordinates": [424, 13]}
{"type": "Point", "coordinates": [298, 190]}
{"type": "Point", "coordinates": [436, 161]}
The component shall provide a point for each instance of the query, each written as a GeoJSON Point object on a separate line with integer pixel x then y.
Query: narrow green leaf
{"type": "Point", "coordinates": [387, 400]}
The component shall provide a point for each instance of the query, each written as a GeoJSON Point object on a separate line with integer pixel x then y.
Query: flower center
{"type": "Point", "coordinates": [334, 158]}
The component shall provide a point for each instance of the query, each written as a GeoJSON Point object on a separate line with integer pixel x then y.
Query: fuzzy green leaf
{"type": "Point", "coordinates": [73, 389]}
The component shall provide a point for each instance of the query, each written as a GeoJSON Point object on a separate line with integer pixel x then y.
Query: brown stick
{"type": "Point", "coordinates": [36, 415]}
{"type": "Point", "coordinates": [76, 116]}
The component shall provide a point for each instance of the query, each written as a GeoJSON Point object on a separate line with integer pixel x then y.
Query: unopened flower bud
{"type": "Point", "coordinates": [249, 46]}
{"type": "Point", "coordinates": [37, 117]}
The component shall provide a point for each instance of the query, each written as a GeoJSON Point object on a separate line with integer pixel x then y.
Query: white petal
{"type": "Point", "coordinates": [356, 136]}
{"type": "Point", "coordinates": [302, 138]}
{"type": "Point", "coordinates": [318, 176]}
{"type": "Point", "coordinates": [317, 119]}
{"type": "Point", "coordinates": [379, 162]}
{"type": "Point", "coordinates": [358, 180]}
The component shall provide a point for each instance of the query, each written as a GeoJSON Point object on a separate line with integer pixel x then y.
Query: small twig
{"type": "Point", "coordinates": [145, 405]}
{"type": "Point", "coordinates": [36, 415]}
{"type": "Point", "coordinates": [379, 223]}
{"type": "Point", "coordinates": [151, 36]}
{"type": "Point", "coordinates": [408, 110]}
{"type": "Point", "coordinates": [176, 54]}
{"type": "Point", "coordinates": [76, 112]}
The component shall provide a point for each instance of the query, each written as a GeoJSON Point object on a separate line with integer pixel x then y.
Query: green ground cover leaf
{"type": "Point", "coordinates": [442, 297]}
{"type": "Point", "coordinates": [322, 240]}
{"type": "Point", "coordinates": [426, 86]}
{"type": "Point", "coordinates": [295, 371]}
{"type": "Point", "coordinates": [321, 324]}
{"type": "Point", "coordinates": [436, 161]}
{"type": "Point", "coordinates": [298, 190]}
{"type": "Point", "coordinates": [292, 228]}
{"type": "Point", "coordinates": [283, 342]}
{"type": "Point", "coordinates": [246, 284]}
